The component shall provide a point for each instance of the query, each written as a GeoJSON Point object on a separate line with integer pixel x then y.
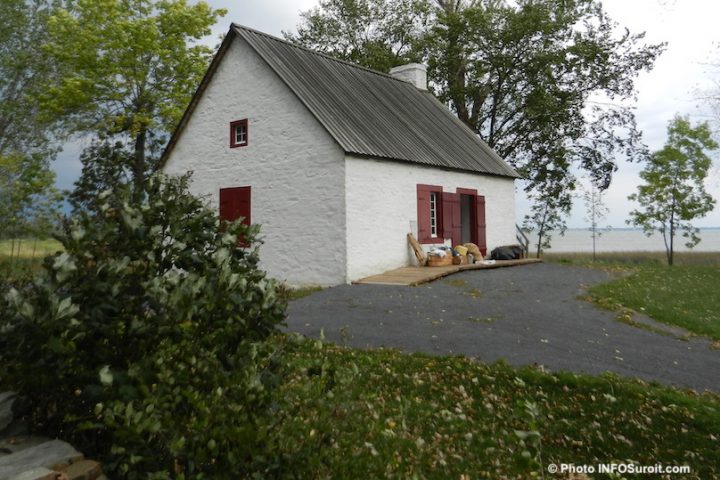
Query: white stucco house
{"type": "Point", "coordinates": [336, 162]}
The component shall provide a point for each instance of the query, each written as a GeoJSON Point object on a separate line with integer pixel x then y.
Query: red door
{"type": "Point", "coordinates": [452, 223]}
{"type": "Point", "coordinates": [234, 204]}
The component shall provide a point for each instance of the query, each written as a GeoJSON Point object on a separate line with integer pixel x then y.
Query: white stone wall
{"type": "Point", "coordinates": [295, 169]}
{"type": "Point", "coordinates": [381, 199]}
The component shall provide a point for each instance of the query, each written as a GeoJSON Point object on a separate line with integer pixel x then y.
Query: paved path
{"type": "Point", "coordinates": [525, 315]}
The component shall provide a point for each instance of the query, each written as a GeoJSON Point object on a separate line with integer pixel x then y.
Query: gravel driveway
{"type": "Point", "coordinates": [525, 315]}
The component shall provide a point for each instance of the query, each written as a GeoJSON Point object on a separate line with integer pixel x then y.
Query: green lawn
{"type": "Point", "coordinates": [634, 258]}
{"type": "Point", "coordinates": [684, 295]}
{"type": "Point", "coordinates": [382, 414]}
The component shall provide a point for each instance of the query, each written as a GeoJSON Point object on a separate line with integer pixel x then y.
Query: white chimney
{"type": "Point", "coordinates": [415, 73]}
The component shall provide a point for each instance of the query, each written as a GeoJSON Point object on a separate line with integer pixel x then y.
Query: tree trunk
{"type": "Point", "coordinates": [138, 167]}
{"type": "Point", "coordinates": [541, 231]}
{"type": "Point", "coordinates": [671, 251]}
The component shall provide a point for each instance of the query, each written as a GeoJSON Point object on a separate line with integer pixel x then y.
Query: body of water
{"type": "Point", "coordinates": [625, 240]}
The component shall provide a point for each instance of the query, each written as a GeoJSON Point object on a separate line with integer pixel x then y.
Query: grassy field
{"type": "Point", "coordinates": [687, 296]}
{"type": "Point", "coordinates": [382, 414]}
{"type": "Point", "coordinates": [684, 295]}
{"type": "Point", "coordinates": [28, 247]}
{"type": "Point", "coordinates": [634, 258]}
{"type": "Point", "coordinates": [21, 259]}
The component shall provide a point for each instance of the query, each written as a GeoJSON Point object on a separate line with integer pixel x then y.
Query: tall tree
{"type": "Point", "coordinates": [549, 204]}
{"type": "Point", "coordinates": [541, 81]}
{"type": "Point", "coordinates": [674, 192]}
{"type": "Point", "coordinates": [596, 211]}
{"type": "Point", "coordinates": [26, 134]}
{"type": "Point", "coordinates": [129, 68]}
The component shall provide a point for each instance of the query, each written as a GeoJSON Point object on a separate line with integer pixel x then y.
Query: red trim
{"type": "Point", "coordinates": [236, 123]}
{"type": "Point", "coordinates": [481, 225]}
{"type": "Point", "coordinates": [466, 191]}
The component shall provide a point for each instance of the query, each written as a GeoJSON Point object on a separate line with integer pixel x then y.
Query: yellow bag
{"type": "Point", "coordinates": [461, 250]}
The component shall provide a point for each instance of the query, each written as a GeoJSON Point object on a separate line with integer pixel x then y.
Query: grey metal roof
{"type": "Point", "coordinates": [372, 114]}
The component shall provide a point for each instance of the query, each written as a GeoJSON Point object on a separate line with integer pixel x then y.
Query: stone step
{"type": "Point", "coordinates": [83, 470]}
{"type": "Point", "coordinates": [15, 443]}
{"type": "Point", "coordinates": [38, 473]}
{"type": "Point", "coordinates": [6, 415]}
{"type": "Point", "coordinates": [47, 454]}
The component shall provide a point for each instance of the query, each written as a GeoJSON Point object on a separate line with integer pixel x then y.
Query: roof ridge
{"type": "Point", "coordinates": [315, 52]}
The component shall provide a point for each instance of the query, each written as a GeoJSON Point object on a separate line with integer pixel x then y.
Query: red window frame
{"type": "Point", "coordinates": [233, 137]}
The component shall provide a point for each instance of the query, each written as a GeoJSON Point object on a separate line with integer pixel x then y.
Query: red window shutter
{"type": "Point", "coordinates": [480, 224]}
{"type": "Point", "coordinates": [235, 203]}
{"type": "Point", "coordinates": [423, 213]}
{"type": "Point", "coordinates": [451, 220]}
{"type": "Point", "coordinates": [423, 209]}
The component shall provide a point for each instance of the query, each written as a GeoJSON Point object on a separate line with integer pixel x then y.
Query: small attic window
{"type": "Point", "coordinates": [239, 133]}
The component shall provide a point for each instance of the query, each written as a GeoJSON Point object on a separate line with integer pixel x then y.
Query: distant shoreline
{"type": "Point", "coordinates": [579, 240]}
{"type": "Point", "coordinates": [626, 229]}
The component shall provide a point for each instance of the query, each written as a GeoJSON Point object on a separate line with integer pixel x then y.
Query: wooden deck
{"type": "Point", "coordinates": [413, 276]}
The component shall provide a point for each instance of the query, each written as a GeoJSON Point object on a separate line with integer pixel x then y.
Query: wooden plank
{"type": "Point", "coordinates": [417, 248]}
{"type": "Point", "coordinates": [413, 276]}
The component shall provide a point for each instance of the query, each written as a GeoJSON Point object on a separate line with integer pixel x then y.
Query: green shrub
{"type": "Point", "coordinates": [143, 342]}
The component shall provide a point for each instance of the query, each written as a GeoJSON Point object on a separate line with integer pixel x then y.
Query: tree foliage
{"type": "Point", "coordinates": [543, 82]}
{"type": "Point", "coordinates": [29, 203]}
{"type": "Point", "coordinates": [379, 34]}
{"type": "Point", "coordinates": [673, 193]}
{"type": "Point", "coordinates": [105, 165]}
{"type": "Point", "coordinates": [128, 69]}
{"type": "Point", "coordinates": [143, 341]}
{"type": "Point", "coordinates": [549, 203]}
{"type": "Point", "coordinates": [27, 199]}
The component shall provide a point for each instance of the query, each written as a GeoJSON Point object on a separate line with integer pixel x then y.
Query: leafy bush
{"type": "Point", "coordinates": [143, 342]}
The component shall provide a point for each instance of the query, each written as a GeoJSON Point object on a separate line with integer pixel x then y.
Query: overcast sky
{"type": "Point", "coordinates": [674, 86]}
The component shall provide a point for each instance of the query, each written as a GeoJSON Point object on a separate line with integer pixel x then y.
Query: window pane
{"type": "Point", "coordinates": [240, 134]}
{"type": "Point", "coordinates": [433, 214]}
